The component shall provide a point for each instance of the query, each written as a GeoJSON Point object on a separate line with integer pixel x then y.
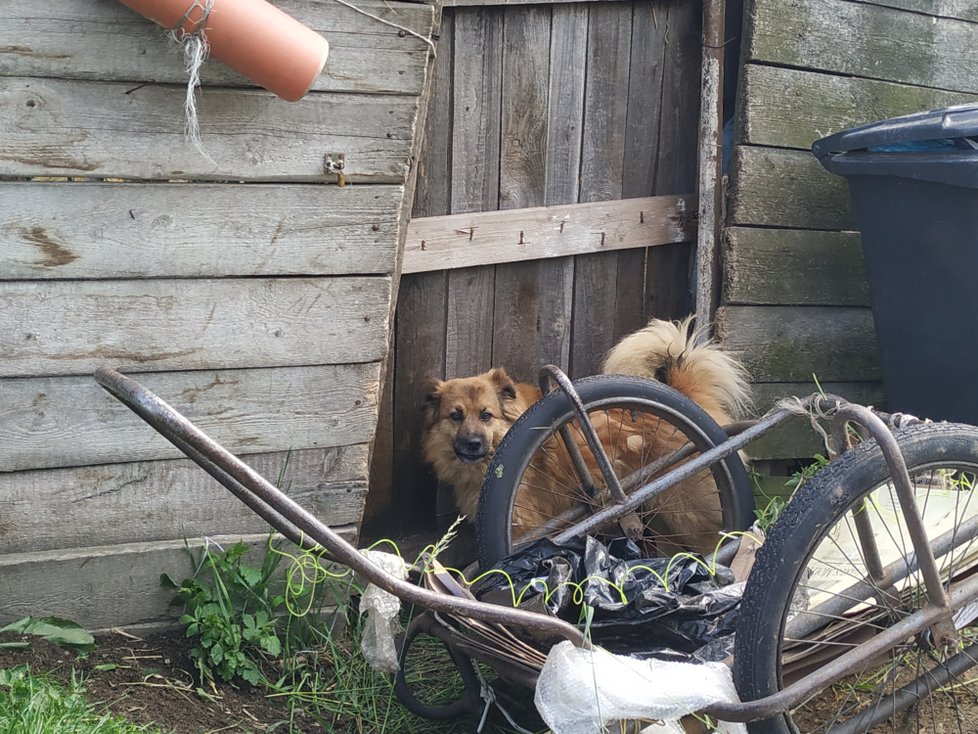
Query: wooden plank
{"type": "Point", "coordinates": [644, 103]}
{"type": "Point", "coordinates": [796, 439]}
{"type": "Point", "coordinates": [96, 230]}
{"type": "Point", "coordinates": [793, 343]}
{"type": "Point", "coordinates": [69, 39]}
{"type": "Point", "coordinates": [792, 266]}
{"type": "Point", "coordinates": [525, 102]}
{"type": "Point", "coordinates": [843, 102]}
{"type": "Point", "coordinates": [531, 299]}
{"type": "Point", "coordinates": [564, 153]}
{"type": "Point", "coordinates": [568, 47]}
{"type": "Point", "coordinates": [785, 188]}
{"type": "Point", "coordinates": [609, 53]}
{"type": "Point", "coordinates": [484, 238]}
{"type": "Point", "coordinates": [53, 422]}
{"type": "Point", "coordinates": [667, 290]}
{"type": "Point", "coordinates": [480, 3]}
{"type": "Point", "coordinates": [642, 123]}
{"type": "Point", "coordinates": [397, 501]}
{"type": "Point", "coordinates": [596, 283]}
{"type": "Point", "coordinates": [863, 40]}
{"type": "Point", "coordinates": [54, 127]}
{"type": "Point", "coordinates": [476, 86]}
{"type": "Point", "coordinates": [107, 586]}
{"type": "Point", "coordinates": [420, 354]}
{"type": "Point", "coordinates": [963, 9]}
{"type": "Point", "coordinates": [676, 159]}
{"type": "Point", "coordinates": [73, 327]}
{"type": "Point", "coordinates": [475, 137]}
{"type": "Point", "coordinates": [162, 500]}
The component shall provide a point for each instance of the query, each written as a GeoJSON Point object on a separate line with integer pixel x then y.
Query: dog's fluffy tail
{"type": "Point", "coordinates": [675, 353]}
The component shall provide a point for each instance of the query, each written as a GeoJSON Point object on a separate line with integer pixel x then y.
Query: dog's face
{"type": "Point", "coordinates": [470, 414]}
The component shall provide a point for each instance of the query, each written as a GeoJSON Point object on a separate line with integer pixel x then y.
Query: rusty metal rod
{"type": "Point", "coordinates": [900, 477]}
{"type": "Point", "coordinates": [679, 474]}
{"type": "Point", "coordinates": [810, 620]}
{"type": "Point", "coordinates": [910, 694]}
{"type": "Point", "coordinates": [171, 424]}
{"type": "Point", "coordinates": [590, 435]}
{"type": "Point", "coordinates": [844, 665]}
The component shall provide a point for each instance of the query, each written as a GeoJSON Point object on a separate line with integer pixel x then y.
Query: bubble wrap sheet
{"type": "Point", "coordinates": [581, 690]}
{"type": "Point", "coordinates": [381, 608]}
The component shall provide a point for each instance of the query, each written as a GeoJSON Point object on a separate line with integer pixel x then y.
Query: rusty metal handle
{"type": "Point", "coordinates": [294, 521]}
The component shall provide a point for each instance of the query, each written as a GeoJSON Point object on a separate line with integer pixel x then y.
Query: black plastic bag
{"type": "Point", "coordinates": [662, 607]}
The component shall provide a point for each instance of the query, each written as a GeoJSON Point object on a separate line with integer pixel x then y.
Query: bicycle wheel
{"type": "Point", "coordinates": [811, 598]}
{"type": "Point", "coordinates": [532, 488]}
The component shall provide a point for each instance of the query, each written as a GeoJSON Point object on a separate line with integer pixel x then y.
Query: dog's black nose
{"type": "Point", "coordinates": [470, 448]}
{"type": "Point", "coordinates": [472, 445]}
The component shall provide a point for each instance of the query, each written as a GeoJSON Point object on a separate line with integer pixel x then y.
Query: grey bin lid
{"type": "Point", "coordinates": [940, 146]}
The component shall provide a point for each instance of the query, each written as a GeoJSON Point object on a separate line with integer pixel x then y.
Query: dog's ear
{"type": "Point", "coordinates": [432, 401]}
{"type": "Point", "coordinates": [505, 387]}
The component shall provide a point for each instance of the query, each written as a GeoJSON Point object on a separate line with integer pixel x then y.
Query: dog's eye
{"type": "Point", "coordinates": [486, 416]}
{"type": "Point", "coordinates": [456, 415]}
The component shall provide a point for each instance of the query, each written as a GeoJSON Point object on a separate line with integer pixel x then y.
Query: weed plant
{"type": "Point", "coordinates": [291, 625]}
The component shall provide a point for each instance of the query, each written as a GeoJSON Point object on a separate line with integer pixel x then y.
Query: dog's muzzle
{"type": "Point", "coordinates": [470, 449]}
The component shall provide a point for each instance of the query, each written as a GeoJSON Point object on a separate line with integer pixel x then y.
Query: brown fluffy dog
{"type": "Point", "coordinates": [466, 418]}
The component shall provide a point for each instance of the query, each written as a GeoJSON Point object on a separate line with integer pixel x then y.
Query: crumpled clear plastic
{"type": "Point", "coordinates": [664, 607]}
{"type": "Point", "coordinates": [581, 691]}
{"type": "Point", "coordinates": [381, 608]}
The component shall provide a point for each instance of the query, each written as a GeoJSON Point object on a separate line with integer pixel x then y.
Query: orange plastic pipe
{"type": "Point", "coordinates": [256, 39]}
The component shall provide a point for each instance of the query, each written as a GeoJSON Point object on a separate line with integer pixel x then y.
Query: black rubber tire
{"type": "Point", "coordinates": [819, 505]}
{"type": "Point", "coordinates": [467, 704]}
{"type": "Point", "coordinates": [554, 410]}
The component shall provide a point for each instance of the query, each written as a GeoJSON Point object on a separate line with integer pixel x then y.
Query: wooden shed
{"type": "Point", "coordinates": [555, 211]}
{"type": "Point", "coordinates": [794, 298]}
{"type": "Point", "coordinates": [249, 290]}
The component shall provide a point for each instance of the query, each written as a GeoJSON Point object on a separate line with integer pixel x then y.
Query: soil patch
{"type": "Point", "coordinates": [152, 680]}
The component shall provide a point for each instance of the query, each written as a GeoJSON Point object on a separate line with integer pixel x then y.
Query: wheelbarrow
{"type": "Point", "coordinates": [867, 575]}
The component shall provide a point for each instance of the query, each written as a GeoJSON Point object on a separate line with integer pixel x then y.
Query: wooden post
{"type": "Point", "coordinates": [710, 158]}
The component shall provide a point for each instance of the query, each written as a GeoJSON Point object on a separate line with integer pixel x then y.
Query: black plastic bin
{"type": "Point", "coordinates": [913, 187]}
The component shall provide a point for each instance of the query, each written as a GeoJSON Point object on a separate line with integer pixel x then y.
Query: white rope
{"type": "Point", "coordinates": [810, 408]}
{"type": "Point", "coordinates": [195, 52]}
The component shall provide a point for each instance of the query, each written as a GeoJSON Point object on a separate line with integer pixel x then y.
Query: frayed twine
{"type": "Point", "coordinates": [810, 407]}
{"type": "Point", "coordinates": [195, 52]}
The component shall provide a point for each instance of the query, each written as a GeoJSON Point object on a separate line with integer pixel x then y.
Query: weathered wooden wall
{"type": "Point", "coordinates": [252, 292]}
{"type": "Point", "coordinates": [794, 299]}
{"type": "Point", "coordinates": [540, 105]}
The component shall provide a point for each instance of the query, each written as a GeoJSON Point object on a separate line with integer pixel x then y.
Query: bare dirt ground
{"type": "Point", "coordinates": [152, 680]}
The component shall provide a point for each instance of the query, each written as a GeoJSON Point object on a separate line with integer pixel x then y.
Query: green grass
{"type": "Point", "coordinates": [37, 704]}
{"type": "Point", "coordinates": [290, 624]}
